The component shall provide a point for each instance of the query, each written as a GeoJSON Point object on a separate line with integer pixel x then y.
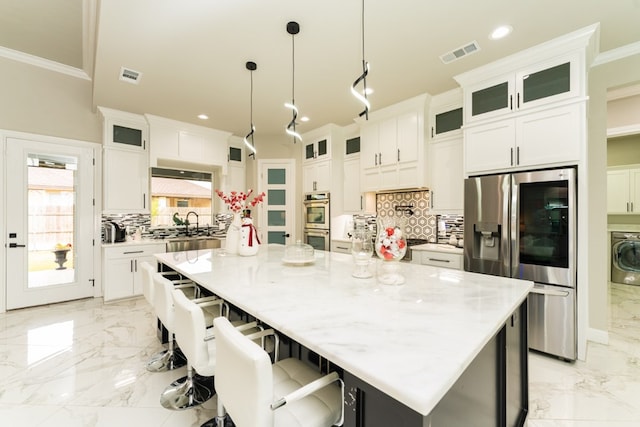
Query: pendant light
{"type": "Point", "coordinates": [251, 66]}
{"type": "Point", "coordinates": [362, 97]}
{"type": "Point", "coordinates": [293, 28]}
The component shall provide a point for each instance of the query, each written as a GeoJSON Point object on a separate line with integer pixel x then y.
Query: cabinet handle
{"type": "Point", "coordinates": [342, 247]}
{"type": "Point", "coordinates": [398, 154]}
{"type": "Point", "coordinates": [135, 264]}
{"type": "Point", "coordinates": [627, 206]}
{"type": "Point", "coordinates": [439, 260]}
{"type": "Point", "coordinates": [511, 161]}
{"type": "Point", "coordinates": [361, 202]}
{"type": "Point", "coordinates": [376, 159]}
{"type": "Point", "coordinates": [432, 198]}
{"type": "Point", "coordinates": [517, 156]}
{"type": "Point", "coordinates": [518, 100]}
{"type": "Point", "coordinates": [131, 265]}
{"type": "Point", "coordinates": [511, 102]}
{"type": "Point", "coordinates": [133, 252]}
{"type": "Point", "coordinates": [432, 130]}
{"type": "Point", "coordinates": [380, 158]}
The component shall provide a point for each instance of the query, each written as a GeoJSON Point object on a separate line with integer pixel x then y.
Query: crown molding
{"type": "Point", "coordinates": [43, 63]}
{"type": "Point", "coordinates": [616, 54]}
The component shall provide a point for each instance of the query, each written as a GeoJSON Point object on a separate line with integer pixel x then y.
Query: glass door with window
{"type": "Point", "coordinates": [49, 223]}
{"type": "Point", "coordinates": [278, 183]}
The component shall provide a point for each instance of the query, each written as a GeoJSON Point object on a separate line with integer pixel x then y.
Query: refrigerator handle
{"type": "Point", "coordinates": [549, 292]}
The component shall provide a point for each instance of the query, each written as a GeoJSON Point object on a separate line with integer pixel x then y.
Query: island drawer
{"type": "Point", "coordinates": [439, 259]}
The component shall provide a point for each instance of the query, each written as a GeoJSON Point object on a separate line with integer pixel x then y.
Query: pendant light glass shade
{"type": "Point", "coordinates": [248, 139]}
{"type": "Point", "coordinates": [293, 28]}
{"type": "Point", "coordinates": [362, 97]}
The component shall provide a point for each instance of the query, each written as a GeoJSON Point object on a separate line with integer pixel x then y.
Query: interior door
{"type": "Point", "coordinates": [49, 222]}
{"type": "Point", "coordinates": [277, 180]}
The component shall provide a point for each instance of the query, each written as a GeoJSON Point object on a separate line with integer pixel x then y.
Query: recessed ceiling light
{"type": "Point", "coordinates": [203, 116]}
{"type": "Point", "coordinates": [500, 32]}
{"type": "Point", "coordinates": [304, 119]}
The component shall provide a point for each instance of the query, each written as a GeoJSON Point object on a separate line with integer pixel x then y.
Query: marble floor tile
{"type": "Point", "coordinates": [82, 363]}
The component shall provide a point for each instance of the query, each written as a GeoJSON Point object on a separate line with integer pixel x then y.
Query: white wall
{"type": "Point", "coordinates": [36, 100]}
{"type": "Point", "coordinates": [609, 75]}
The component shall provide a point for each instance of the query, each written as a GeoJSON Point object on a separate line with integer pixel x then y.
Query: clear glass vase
{"type": "Point", "coordinates": [362, 250]}
{"type": "Point", "coordinates": [391, 246]}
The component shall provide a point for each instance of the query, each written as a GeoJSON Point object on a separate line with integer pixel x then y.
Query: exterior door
{"type": "Point", "coordinates": [277, 180]}
{"type": "Point", "coordinates": [49, 222]}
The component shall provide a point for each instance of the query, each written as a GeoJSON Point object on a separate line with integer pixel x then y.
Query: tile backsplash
{"type": "Point", "coordinates": [413, 206]}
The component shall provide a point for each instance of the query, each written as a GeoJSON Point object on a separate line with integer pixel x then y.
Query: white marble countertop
{"type": "Point", "coordinates": [438, 247]}
{"type": "Point", "coordinates": [411, 341]}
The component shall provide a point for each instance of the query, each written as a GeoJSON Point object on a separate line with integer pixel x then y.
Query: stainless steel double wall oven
{"type": "Point", "coordinates": [317, 220]}
{"type": "Point", "coordinates": [523, 225]}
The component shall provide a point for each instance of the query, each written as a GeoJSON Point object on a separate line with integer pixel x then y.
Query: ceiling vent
{"type": "Point", "coordinates": [460, 52]}
{"type": "Point", "coordinates": [130, 76]}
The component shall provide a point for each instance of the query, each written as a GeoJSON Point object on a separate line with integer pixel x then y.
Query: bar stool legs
{"type": "Point", "coordinates": [187, 392]}
{"type": "Point", "coordinates": [167, 360]}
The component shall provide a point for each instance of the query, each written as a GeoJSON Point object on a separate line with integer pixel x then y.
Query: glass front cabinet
{"type": "Point", "coordinates": [534, 86]}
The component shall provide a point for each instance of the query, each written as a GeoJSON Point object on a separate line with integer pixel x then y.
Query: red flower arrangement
{"type": "Point", "coordinates": [237, 201]}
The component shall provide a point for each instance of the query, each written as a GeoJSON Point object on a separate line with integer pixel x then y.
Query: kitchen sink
{"type": "Point", "coordinates": [178, 244]}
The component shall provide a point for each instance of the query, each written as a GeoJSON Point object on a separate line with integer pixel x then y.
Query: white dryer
{"type": "Point", "coordinates": [625, 258]}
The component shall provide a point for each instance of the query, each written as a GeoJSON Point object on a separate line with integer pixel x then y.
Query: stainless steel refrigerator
{"type": "Point", "coordinates": [523, 225]}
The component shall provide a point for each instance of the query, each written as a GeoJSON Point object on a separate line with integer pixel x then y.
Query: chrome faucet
{"type": "Point", "coordinates": [186, 221]}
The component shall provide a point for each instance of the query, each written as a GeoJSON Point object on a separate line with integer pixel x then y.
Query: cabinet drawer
{"type": "Point", "coordinates": [342, 247]}
{"type": "Point", "coordinates": [441, 259]}
{"type": "Point", "coordinates": [133, 251]}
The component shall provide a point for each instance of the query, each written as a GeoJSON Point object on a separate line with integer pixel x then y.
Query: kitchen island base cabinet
{"type": "Point", "coordinates": [491, 392]}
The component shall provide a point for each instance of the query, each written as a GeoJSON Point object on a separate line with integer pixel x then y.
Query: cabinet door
{"type": "Point", "coordinates": [126, 181]}
{"type": "Point", "coordinates": [137, 272]}
{"type": "Point", "coordinates": [618, 191]}
{"type": "Point", "coordinates": [447, 176]}
{"type": "Point", "coordinates": [369, 137]}
{"type": "Point", "coordinates": [236, 179]}
{"type": "Point", "coordinates": [118, 276]}
{"type": "Point", "coordinates": [323, 176]}
{"type": "Point", "coordinates": [352, 195]}
{"type": "Point", "coordinates": [634, 191]}
{"type": "Point", "coordinates": [445, 122]}
{"type": "Point", "coordinates": [550, 81]}
{"type": "Point", "coordinates": [408, 138]}
{"type": "Point", "coordinates": [549, 136]}
{"type": "Point", "coordinates": [387, 146]}
{"type": "Point", "coordinates": [490, 98]}
{"type": "Point", "coordinates": [489, 147]}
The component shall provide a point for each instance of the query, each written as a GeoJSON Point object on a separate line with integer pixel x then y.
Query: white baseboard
{"type": "Point", "coordinates": [598, 335]}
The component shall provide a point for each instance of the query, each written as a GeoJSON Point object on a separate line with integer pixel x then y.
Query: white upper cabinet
{"type": "Point", "coordinates": [124, 130]}
{"type": "Point", "coordinates": [316, 150]}
{"type": "Point", "coordinates": [184, 142]}
{"type": "Point", "coordinates": [623, 190]}
{"type": "Point", "coordinates": [322, 156]}
{"type": "Point", "coordinates": [393, 154]}
{"type": "Point", "coordinates": [552, 81]}
{"type": "Point", "coordinates": [446, 115]}
{"type": "Point", "coordinates": [528, 110]}
{"type": "Point", "coordinates": [235, 180]}
{"type": "Point", "coordinates": [125, 171]}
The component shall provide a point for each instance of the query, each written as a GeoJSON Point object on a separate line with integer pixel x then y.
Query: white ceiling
{"type": "Point", "coordinates": [192, 53]}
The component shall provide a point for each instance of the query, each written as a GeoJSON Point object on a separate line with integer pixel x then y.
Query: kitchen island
{"type": "Point", "coordinates": [446, 348]}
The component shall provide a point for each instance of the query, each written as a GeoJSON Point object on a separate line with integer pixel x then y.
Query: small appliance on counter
{"type": "Point", "coordinates": [114, 233]}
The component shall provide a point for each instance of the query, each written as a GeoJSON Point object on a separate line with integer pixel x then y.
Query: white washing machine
{"type": "Point", "coordinates": [625, 258]}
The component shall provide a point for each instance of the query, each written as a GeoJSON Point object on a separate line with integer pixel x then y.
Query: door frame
{"type": "Point", "coordinates": [291, 210]}
{"type": "Point", "coordinates": [97, 191]}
